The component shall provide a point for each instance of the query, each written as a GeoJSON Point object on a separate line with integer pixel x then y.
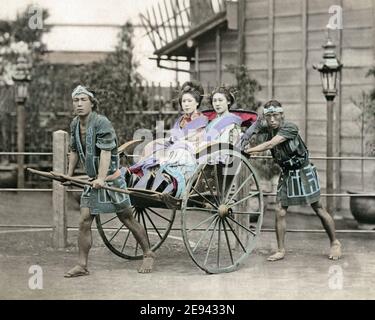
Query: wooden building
{"type": "Point", "coordinates": [279, 41]}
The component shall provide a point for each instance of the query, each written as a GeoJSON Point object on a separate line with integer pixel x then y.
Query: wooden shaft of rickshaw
{"type": "Point", "coordinates": [78, 182]}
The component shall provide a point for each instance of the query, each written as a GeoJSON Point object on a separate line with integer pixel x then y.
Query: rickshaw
{"type": "Point", "coordinates": [221, 208]}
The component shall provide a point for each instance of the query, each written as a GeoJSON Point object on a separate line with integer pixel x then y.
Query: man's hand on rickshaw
{"type": "Point", "coordinates": [66, 183]}
{"type": "Point", "coordinates": [98, 183]}
{"type": "Point", "coordinates": [247, 149]}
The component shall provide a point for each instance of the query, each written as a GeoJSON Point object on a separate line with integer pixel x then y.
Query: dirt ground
{"type": "Point", "coordinates": [305, 273]}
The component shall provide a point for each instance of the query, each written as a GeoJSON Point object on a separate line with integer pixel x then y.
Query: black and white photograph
{"type": "Point", "coordinates": [178, 151]}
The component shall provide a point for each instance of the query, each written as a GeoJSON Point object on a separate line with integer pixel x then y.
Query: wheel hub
{"type": "Point", "coordinates": [223, 211]}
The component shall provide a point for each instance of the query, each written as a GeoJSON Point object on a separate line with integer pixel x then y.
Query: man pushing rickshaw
{"type": "Point", "coordinates": [298, 183]}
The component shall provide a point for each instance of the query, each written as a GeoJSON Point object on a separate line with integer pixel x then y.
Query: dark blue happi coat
{"type": "Point", "coordinates": [100, 135]}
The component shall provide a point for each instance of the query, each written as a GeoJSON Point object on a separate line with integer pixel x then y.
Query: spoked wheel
{"type": "Point", "coordinates": [222, 212]}
{"type": "Point", "coordinates": [118, 238]}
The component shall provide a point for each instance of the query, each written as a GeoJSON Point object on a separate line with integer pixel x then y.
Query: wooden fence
{"type": "Point", "coordinates": [161, 105]}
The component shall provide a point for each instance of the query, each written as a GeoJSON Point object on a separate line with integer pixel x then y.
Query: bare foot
{"type": "Point", "coordinates": [147, 263]}
{"type": "Point", "coordinates": [77, 271]}
{"type": "Point", "coordinates": [335, 252]}
{"type": "Point", "coordinates": [277, 256]}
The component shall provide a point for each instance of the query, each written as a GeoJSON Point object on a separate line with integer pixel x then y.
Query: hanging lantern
{"type": "Point", "coordinates": [329, 69]}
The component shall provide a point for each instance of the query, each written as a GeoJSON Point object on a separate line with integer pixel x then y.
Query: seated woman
{"type": "Point", "coordinates": [225, 127]}
{"type": "Point", "coordinates": [189, 127]}
{"type": "Point", "coordinates": [168, 163]}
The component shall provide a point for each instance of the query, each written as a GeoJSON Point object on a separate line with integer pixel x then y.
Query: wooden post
{"type": "Point", "coordinates": [241, 31]}
{"type": "Point", "coordinates": [373, 31]}
{"type": "Point", "coordinates": [271, 22]}
{"type": "Point", "coordinates": [338, 112]}
{"type": "Point", "coordinates": [20, 144]}
{"type": "Point", "coordinates": [373, 35]}
{"type": "Point", "coordinates": [59, 195]}
{"type": "Point", "coordinates": [330, 170]}
{"type": "Point", "coordinates": [197, 67]}
{"type": "Point", "coordinates": [160, 105]}
{"type": "Point", "coordinates": [304, 72]}
{"type": "Point", "coordinates": [218, 56]}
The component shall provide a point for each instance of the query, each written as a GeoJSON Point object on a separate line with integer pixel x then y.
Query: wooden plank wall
{"type": "Point", "coordinates": [283, 39]}
{"type": "Point", "coordinates": [208, 56]}
{"type": "Point", "coordinates": [358, 55]}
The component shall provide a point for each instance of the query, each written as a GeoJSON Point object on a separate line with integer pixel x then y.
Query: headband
{"type": "Point", "coordinates": [273, 109]}
{"type": "Point", "coordinates": [81, 89]}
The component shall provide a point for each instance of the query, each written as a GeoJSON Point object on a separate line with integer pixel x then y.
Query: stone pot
{"type": "Point", "coordinates": [363, 210]}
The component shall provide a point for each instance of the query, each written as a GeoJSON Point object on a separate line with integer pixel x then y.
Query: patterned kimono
{"type": "Point", "coordinates": [174, 156]}
{"type": "Point", "coordinates": [100, 135]}
{"type": "Point", "coordinates": [225, 128]}
{"type": "Point", "coordinates": [190, 129]}
{"type": "Point", "coordinates": [299, 182]}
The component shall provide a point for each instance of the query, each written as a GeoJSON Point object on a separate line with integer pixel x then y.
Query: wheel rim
{"type": "Point", "coordinates": [118, 238]}
{"type": "Point", "coordinates": [222, 212]}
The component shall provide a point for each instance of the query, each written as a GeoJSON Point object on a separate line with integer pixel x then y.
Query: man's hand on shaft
{"type": "Point", "coordinates": [98, 183]}
{"type": "Point", "coordinates": [247, 149]}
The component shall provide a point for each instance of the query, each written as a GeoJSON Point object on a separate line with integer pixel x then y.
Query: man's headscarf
{"type": "Point", "coordinates": [273, 106]}
{"type": "Point", "coordinates": [272, 109]}
{"type": "Point", "coordinates": [81, 89]}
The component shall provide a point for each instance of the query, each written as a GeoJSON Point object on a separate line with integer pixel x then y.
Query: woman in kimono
{"type": "Point", "coordinates": [225, 127]}
{"type": "Point", "coordinates": [189, 126]}
{"type": "Point", "coordinates": [173, 159]}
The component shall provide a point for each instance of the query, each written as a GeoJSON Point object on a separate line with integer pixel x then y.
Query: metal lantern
{"type": "Point", "coordinates": [329, 68]}
{"type": "Point", "coordinates": [21, 78]}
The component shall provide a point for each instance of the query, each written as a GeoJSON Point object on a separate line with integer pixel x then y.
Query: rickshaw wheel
{"type": "Point", "coordinates": [118, 238]}
{"type": "Point", "coordinates": [221, 211]}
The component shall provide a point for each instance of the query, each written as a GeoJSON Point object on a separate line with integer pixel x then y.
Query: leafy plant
{"type": "Point", "coordinates": [114, 79]}
{"type": "Point", "coordinates": [117, 83]}
{"type": "Point", "coordinates": [246, 87]}
{"type": "Point", "coordinates": [366, 119]}
{"type": "Point", "coordinates": [18, 39]}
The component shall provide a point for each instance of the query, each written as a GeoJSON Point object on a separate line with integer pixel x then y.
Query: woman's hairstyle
{"type": "Point", "coordinates": [194, 88]}
{"type": "Point", "coordinates": [227, 92]}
